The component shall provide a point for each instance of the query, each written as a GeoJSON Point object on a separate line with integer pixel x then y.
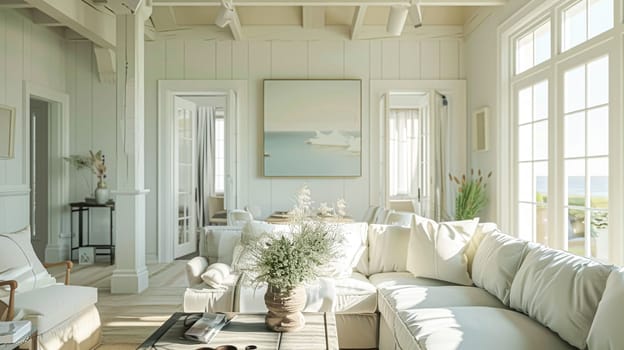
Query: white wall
{"type": "Point", "coordinates": [255, 60]}
{"type": "Point", "coordinates": [33, 53]}
{"type": "Point", "coordinates": [481, 60]}
{"type": "Point", "coordinates": [93, 126]}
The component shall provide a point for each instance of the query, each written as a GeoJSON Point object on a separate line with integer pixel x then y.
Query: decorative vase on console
{"type": "Point", "coordinates": [99, 169]}
{"type": "Point", "coordinates": [101, 192]}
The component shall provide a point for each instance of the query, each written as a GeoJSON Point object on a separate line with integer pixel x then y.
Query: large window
{"type": "Point", "coordinates": [562, 110]}
{"type": "Point", "coordinates": [532, 162]}
{"type": "Point", "coordinates": [586, 157]}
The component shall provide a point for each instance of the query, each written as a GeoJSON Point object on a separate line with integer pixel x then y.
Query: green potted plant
{"type": "Point", "coordinates": [286, 262]}
{"type": "Point", "coordinates": [471, 195]}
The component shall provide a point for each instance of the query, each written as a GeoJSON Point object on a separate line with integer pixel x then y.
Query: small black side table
{"type": "Point", "coordinates": [84, 207]}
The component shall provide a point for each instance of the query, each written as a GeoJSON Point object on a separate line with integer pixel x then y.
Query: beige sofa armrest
{"type": "Point", "coordinates": [194, 269]}
{"type": "Point", "coordinates": [68, 267]}
{"type": "Point", "coordinates": [13, 286]}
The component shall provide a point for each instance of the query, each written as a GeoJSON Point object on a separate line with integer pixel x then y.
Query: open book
{"type": "Point", "coordinates": [204, 329]}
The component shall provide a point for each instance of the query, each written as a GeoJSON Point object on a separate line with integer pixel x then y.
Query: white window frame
{"type": "Point", "coordinates": [610, 42]}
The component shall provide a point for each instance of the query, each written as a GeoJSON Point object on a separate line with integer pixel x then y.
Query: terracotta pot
{"type": "Point", "coordinates": [285, 309]}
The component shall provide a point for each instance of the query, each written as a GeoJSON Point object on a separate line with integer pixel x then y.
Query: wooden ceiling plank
{"type": "Point", "coordinates": [358, 21]}
{"type": "Point", "coordinates": [85, 20]}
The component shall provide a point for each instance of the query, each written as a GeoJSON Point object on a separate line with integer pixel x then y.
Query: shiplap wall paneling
{"type": "Point", "coordinates": [259, 69]}
{"type": "Point", "coordinates": [36, 54]}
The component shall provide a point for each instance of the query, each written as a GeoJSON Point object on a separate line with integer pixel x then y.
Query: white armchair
{"type": "Point", "coordinates": [32, 293]}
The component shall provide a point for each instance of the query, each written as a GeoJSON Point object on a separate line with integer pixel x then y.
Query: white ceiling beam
{"type": "Point", "coordinates": [358, 21]}
{"type": "Point", "coordinates": [42, 19]}
{"type": "Point", "coordinates": [14, 4]}
{"type": "Point", "coordinates": [235, 27]}
{"type": "Point", "coordinates": [98, 27]}
{"type": "Point", "coordinates": [105, 60]}
{"type": "Point", "coordinates": [313, 17]}
{"type": "Point", "coordinates": [330, 2]}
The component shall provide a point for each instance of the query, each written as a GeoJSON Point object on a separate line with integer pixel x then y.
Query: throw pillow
{"type": "Point", "coordinates": [438, 250]}
{"type": "Point", "coordinates": [218, 276]}
{"type": "Point", "coordinates": [353, 246]}
{"type": "Point", "coordinates": [559, 290]}
{"type": "Point", "coordinates": [496, 262]}
{"type": "Point", "coordinates": [606, 329]}
{"type": "Point", "coordinates": [387, 250]}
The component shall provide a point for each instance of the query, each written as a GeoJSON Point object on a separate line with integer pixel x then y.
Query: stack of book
{"type": "Point", "coordinates": [204, 329]}
{"type": "Point", "coordinates": [13, 331]}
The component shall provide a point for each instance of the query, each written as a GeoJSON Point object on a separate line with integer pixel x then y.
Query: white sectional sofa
{"type": "Point", "coordinates": [521, 296]}
{"type": "Point", "coordinates": [65, 316]}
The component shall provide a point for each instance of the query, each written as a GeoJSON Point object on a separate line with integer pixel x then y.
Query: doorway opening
{"type": "Point", "coordinates": [200, 166]}
{"type": "Point", "coordinates": [39, 175]}
{"type": "Point", "coordinates": [198, 156]}
{"type": "Point", "coordinates": [47, 143]}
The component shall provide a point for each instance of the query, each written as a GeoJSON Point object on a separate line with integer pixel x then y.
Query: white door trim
{"type": "Point", "coordinates": [167, 89]}
{"type": "Point", "coordinates": [59, 137]}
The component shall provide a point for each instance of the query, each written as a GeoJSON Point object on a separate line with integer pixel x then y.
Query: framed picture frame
{"type": "Point", "coordinates": [312, 128]}
{"type": "Point", "coordinates": [481, 129]}
{"type": "Point", "coordinates": [7, 132]}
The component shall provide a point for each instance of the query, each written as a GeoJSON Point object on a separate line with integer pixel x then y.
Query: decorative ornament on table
{"type": "Point", "coordinates": [287, 261]}
{"type": "Point", "coordinates": [341, 207]}
{"type": "Point", "coordinates": [97, 164]}
{"type": "Point", "coordinates": [471, 195]}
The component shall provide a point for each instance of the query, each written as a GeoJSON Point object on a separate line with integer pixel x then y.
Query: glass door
{"type": "Point", "coordinates": [185, 184]}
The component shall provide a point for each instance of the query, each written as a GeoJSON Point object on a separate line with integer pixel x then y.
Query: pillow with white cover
{"type": "Point", "coordinates": [606, 330]}
{"type": "Point", "coordinates": [218, 276]}
{"type": "Point", "coordinates": [217, 243]}
{"type": "Point", "coordinates": [438, 250]}
{"type": "Point", "coordinates": [387, 248]}
{"type": "Point", "coordinates": [496, 263]}
{"type": "Point", "coordinates": [354, 238]}
{"type": "Point", "coordinates": [560, 290]}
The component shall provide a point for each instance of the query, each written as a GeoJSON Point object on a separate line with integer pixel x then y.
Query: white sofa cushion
{"type": "Point", "coordinates": [16, 251]}
{"type": "Point", "coordinates": [217, 243]}
{"type": "Point", "coordinates": [200, 298]}
{"type": "Point", "coordinates": [400, 291]}
{"type": "Point", "coordinates": [50, 306]}
{"type": "Point", "coordinates": [606, 330]}
{"type": "Point", "coordinates": [496, 262]}
{"type": "Point", "coordinates": [439, 250]}
{"type": "Point", "coordinates": [387, 248]}
{"type": "Point", "coordinates": [470, 328]}
{"type": "Point", "coordinates": [560, 290]}
{"type": "Point", "coordinates": [355, 295]}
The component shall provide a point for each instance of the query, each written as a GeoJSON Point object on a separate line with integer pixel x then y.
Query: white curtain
{"type": "Point", "coordinates": [441, 199]}
{"type": "Point", "coordinates": [205, 162]}
{"type": "Point", "coordinates": [404, 146]}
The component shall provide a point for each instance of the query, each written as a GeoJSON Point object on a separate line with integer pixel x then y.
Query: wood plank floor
{"type": "Point", "coordinates": [127, 320]}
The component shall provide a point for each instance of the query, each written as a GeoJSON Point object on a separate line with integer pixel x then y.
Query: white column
{"type": "Point", "coordinates": [130, 275]}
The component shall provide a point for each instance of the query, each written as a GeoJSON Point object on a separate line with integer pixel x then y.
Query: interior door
{"type": "Point", "coordinates": [231, 120]}
{"type": "Point", "coordinates": [185, 182]}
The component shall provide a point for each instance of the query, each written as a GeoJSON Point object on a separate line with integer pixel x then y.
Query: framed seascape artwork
{"type": "Point", "coordinates": [7, 132]}
{"type": "Point", "coordinates": [312, 128]}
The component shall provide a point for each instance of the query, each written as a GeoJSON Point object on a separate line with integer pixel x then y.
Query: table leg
{"type": "Point", "coordinates": [33, 342]}
{"type": "Point", "coordinates": [110, 250]}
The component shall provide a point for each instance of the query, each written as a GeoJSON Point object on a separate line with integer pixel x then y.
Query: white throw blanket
{"type": "Point", "coordinates": [321, 296]}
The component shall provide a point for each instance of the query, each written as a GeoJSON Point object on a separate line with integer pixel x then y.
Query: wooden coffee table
{"type": "Point", "coordinates": [249, 329]}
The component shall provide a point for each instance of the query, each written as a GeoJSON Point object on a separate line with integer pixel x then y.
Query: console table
{"type": "Point", "coordinates": [81, 208]}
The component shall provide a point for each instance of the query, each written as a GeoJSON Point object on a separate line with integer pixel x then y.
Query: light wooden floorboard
{"type": "Point", "coordinates": [128, 319]}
